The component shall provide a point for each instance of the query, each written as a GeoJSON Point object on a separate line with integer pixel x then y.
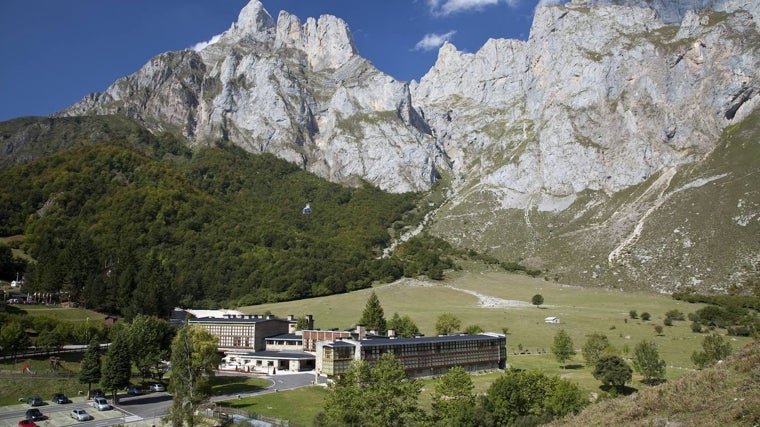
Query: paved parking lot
{"type": "Point", "coordinates": [58, 415]}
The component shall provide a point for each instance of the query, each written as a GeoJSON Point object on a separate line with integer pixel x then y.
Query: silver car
{"type": "Point", "coordinates": [101, 404]}
{"type": "Point", "coordinates": [80, 414]}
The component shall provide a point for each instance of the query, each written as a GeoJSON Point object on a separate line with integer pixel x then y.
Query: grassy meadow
{"type": "Point", "coordinates": [582, 311]}
{"type": "Point", "coordinates": [467, 294]}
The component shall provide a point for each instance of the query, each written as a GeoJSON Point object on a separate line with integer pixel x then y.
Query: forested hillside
{"type": "Point", "coordinates": [134, 223]}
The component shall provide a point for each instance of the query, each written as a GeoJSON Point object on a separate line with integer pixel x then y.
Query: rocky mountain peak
{"type": "Point", "coordinates": [327, 42]}
{"type": "Point", "coordinates": [253, 21]}
{"type": "Point", "coordinates": [605, 98]}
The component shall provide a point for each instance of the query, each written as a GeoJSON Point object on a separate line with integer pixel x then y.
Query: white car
{"type": "Point", "coordinates": [101, 404]}
{"type": "Point", "coordinates": [158, 387]}
{"type": "Point", "coordinates": [80, 414]}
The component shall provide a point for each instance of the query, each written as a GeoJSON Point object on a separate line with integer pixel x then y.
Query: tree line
{"type": "Point", "coordinates": [134, 231]}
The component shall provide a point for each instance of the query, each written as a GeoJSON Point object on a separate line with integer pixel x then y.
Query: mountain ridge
{"type": "Point", "coordinates": [562, 150]}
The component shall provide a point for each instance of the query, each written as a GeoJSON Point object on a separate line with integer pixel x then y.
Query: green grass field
{"type": "Point", "coordinates": [582, 311]}
{"type": "Point", "coordinates": [478, 296]}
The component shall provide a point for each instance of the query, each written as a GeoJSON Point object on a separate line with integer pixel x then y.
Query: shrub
{"type": "Point", "coordinates": [668, 321]}
{"type": "Point", "coordinates": [613, 371]}
{"type": "Point", "coordinates": [675, 315]}
{"type": "Point", "coordinates": [633, 314]}
{"type": "Point", "coordinates": [696, 327]}
{"type": "Point", "coordinates": [645, 316]}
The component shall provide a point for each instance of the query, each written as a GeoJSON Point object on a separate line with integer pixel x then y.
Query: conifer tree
{"type": "Point", "coordinates": [89, 372]}
{"type": "Point", "coordinates": [117, 369]}
{"type": "Point", "coordinates": [373, 316]}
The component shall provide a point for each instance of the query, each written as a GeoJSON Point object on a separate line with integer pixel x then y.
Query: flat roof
{"type": "Point", "coordinates": [420, 340]}
{"type": "Point", "coordinates": [285, 337]}
{"type": "Point", "coordinates": [269, 354]}
{"type": "Point", "coordinates": [236, 320]}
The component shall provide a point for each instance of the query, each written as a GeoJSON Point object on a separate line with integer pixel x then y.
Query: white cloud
{"type": "Point", "coordinates": [433, 41]}
{"type": "Point", "coordinates": [448, 7]}
{"type": "Point", "coordinates": [201, 45]}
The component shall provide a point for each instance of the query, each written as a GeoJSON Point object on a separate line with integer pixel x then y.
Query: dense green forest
{"type": "Point", "coordinates": [134, 223]}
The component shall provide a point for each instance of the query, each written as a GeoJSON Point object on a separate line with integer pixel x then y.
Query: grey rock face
{"type": "Point", "coordinates": [568, 150]}
{"type": "Point", "coordinates": [597, 99]}
{"type": "Point", "coordinates": [298, 91]}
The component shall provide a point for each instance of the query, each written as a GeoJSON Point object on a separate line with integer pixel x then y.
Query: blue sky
{"type": "Point", "coordinates": [54, 52]}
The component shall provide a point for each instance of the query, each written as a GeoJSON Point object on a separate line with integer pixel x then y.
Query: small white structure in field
{"type": "Point", "coordinates": [552, 319]}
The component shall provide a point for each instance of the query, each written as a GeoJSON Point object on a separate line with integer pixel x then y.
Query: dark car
{"type": "Point", "coordinates": [34, 414]}
{"type": "Point", "coordinates": [97, 393]}
{"type": "Point", "coordinates": [60, 398]}
{"type": "Point", "coordinates": [35, 401]}
{"type": "Point", "coordinates": [134, 390]}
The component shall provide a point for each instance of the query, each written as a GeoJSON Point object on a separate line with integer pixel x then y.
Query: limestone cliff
{"type": "Point", "coordinates": [299, 91]}
{"type": "Point", "coordinates": [594, 150]}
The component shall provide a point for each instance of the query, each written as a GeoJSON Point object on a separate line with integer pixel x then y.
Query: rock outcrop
{"type": "Point", "coordinates": [299, 91]}
{"type": "Point", "coordinates": [564, 150]}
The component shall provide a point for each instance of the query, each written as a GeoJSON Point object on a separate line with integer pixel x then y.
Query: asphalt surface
{"type": "Point", "coordinates": [143, 410]}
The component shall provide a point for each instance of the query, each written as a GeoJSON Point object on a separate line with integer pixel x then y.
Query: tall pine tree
{"type": "Point", "coordinates": [373, 316]}
{"type": "Point", "coordinates": [89, 372]}
{"type": "Point", "coordinates": [117, 369]}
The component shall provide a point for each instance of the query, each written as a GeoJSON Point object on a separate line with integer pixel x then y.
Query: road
{"type": "Point", "coordinates": [146, 409]}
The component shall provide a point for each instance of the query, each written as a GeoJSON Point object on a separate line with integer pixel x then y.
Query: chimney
{"type": "Point", "coordinates": [291, 318]}
{"type": "Point", "coordinates": [309, 321]}
{"type": "Point", "coordinates": [391, 333]}
{"type": "Point", "coordinates": [361, 331]}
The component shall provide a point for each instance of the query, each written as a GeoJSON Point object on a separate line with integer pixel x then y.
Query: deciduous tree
{"type": "Point", "coordinates": [647, 362]}
{"type": "Point", "coordinates": [446, 324]}
{"type": "Point", "coordinates": [714, 348]}
{"type": "Point", "coordinates": [454, 403]}
{"type": "Point", "coordinates": [403, 326]}
{"type": "Point", "coordinates": [612, 370]}
{"type": "Point", "coordinates": [377, 396]}
{"type": "Point", "coordinates": [562, 348]}
{"type": "Point", "coordinates": [149, 342]}
{"type": "Point", "coordinates": [13, 339]}
{"type": "Point", "coordinates": [520, 395]}
{"type": "Point", "coordinates": [537, 300]}
{"type": "Point", "coordinates": [596, 345]}
{"type": "Point", "coordinates": [193, 360]}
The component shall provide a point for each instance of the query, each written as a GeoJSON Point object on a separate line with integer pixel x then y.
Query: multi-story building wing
{"type": "Point", "coordinates": [422, 356]}
{"type": "Point", "coordinates": [244, 331]}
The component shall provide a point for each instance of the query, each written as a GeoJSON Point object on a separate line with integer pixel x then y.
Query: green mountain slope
{"type": "Point", "coordinates": [123, 224]}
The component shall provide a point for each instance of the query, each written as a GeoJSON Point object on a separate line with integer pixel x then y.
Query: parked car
{"type": "Point", "coordinates": [60, 398]}
{"type": "Point", "coordinates": [34, 414]}
{"type": "Point", "coordinates": [96, 393]}
{"type": "Point", "coordinates": [80, 414]}
{"type": "Point", "coordinates": [35, 401]}
{"type": "Point", "coordinates": [158, 387]}
{"type": "Point", "coordinates": [26, 423]}
{"type": "Point", "coordinates": [101, 404]}
{"type": "Point", "coordinates": [134, 390]}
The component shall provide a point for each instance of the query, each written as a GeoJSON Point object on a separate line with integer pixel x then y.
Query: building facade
{"type": "Point", "coordinates": [421, 356]}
